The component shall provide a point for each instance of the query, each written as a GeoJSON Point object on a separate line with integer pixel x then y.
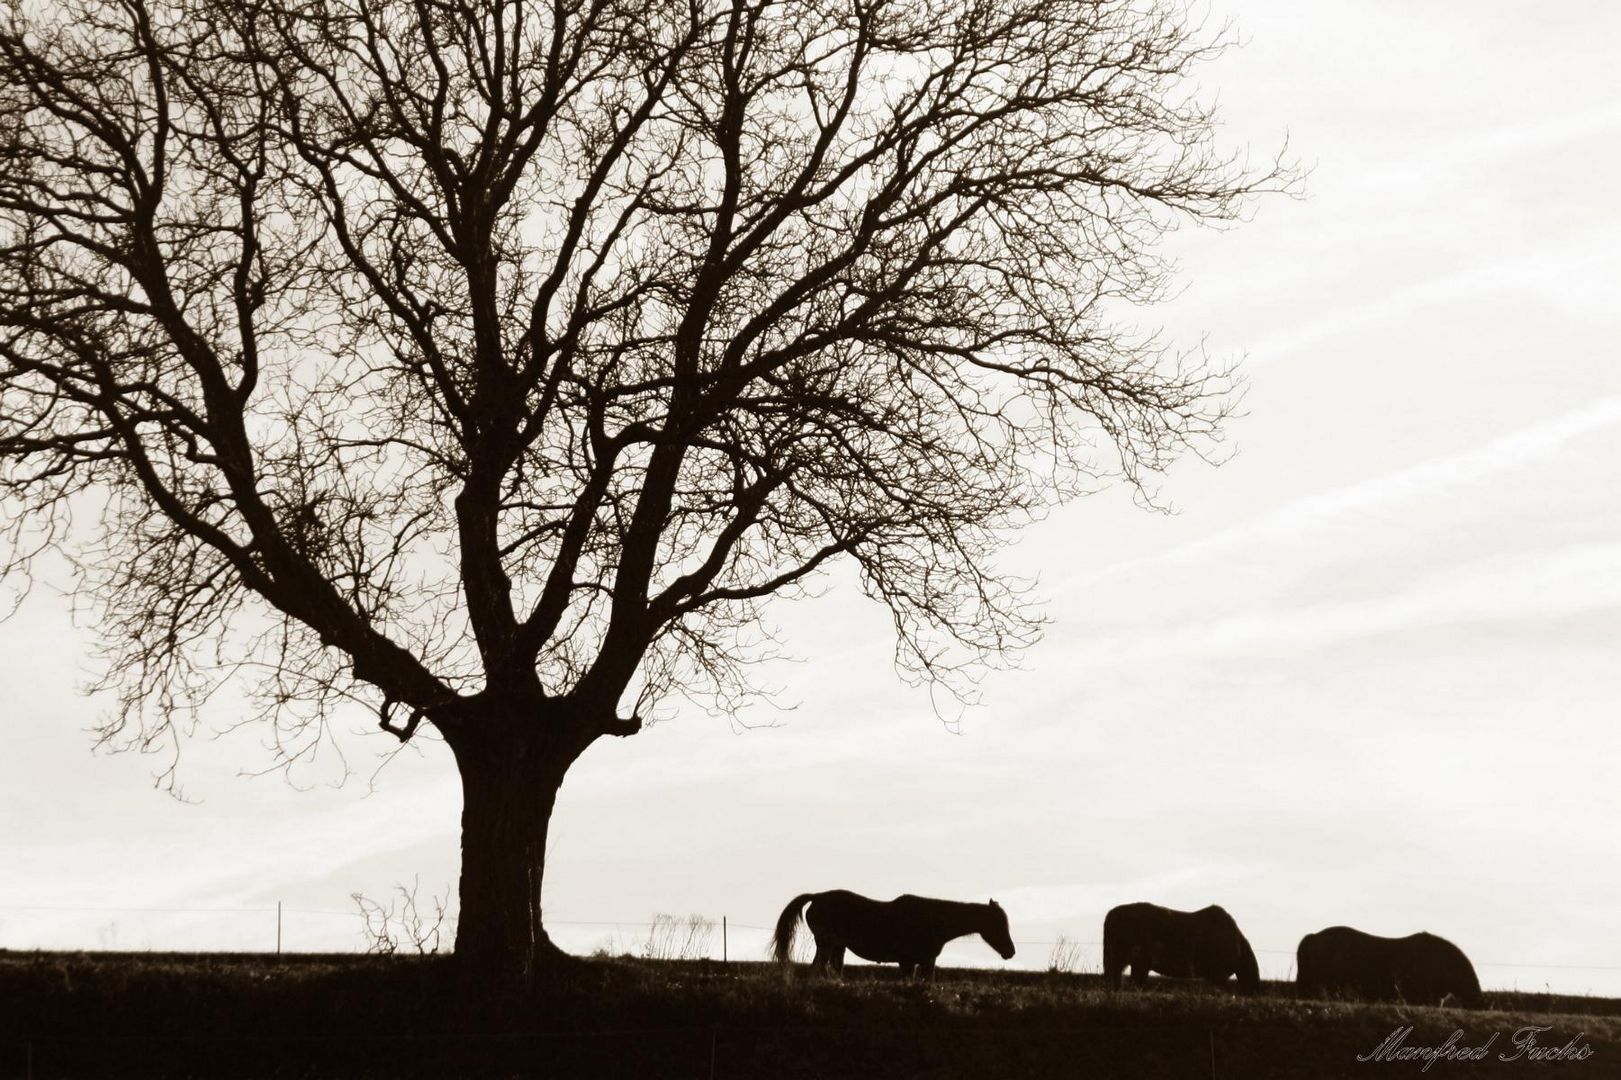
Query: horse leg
{"type": "Point", "coordinates": [926, 969]}
{"type": "Point", "coordinates": [829, 955]}
{"type": "Point", "coordinates": [1113, 965]}
{"type": "Point", "coordinates": [1139, 972]}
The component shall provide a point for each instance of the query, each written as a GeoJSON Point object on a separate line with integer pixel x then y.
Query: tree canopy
{"type": "Point", "coordinates": [493, 361]}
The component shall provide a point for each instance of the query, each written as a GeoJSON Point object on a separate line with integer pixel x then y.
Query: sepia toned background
{"type": "Point", "coordinates": [1366, 672]}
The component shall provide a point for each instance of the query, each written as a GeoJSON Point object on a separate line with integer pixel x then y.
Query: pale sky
{"type": "Point", "coordinates": [1366, 674]}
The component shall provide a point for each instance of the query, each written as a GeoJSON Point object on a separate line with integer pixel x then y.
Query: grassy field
{"type": "Point", "coordinates": [206, 1015]}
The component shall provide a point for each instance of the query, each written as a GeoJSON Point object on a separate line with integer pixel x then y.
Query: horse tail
{"type": "Point", "coordinates": [1249, 972]}
{"type": "Point", "coordinates": [782, 941]}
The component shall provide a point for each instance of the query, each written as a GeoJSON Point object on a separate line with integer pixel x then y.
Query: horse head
{"type": "Point", "coordinates": [995, 931]}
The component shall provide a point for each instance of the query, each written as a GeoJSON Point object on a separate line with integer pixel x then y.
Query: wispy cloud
{"type": "Point", "coordinates": [1473, 150]}
{"type": "Point", "coordinates": [1315, 513]}
{"type": "Point", "coordinates": [1530, 585]}
{"type": "Point", "coordinates": [1565, 278]}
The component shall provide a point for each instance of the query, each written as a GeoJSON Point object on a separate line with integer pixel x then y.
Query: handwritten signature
{"type": "Point", "coordinates": [1525, 1047]}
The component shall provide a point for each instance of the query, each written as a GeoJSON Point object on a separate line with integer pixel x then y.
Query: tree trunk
{"type": "Point", "coordinates": [509, 786]}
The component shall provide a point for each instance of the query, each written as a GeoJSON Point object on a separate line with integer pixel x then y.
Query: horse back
{"type": "Point", "coordinates": [1204, 943]}
{"type": "Point", "coordinates": [885, 930]}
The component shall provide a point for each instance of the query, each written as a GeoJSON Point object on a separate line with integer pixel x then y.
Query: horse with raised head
{"type": "Point", "coordinates": [908, 930]}
{"type": "Point", "coordinates": [1204, 944]}
{"type": "Point", "coordinates": [1421, 968]}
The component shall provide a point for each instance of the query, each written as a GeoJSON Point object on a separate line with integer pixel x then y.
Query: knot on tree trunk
{"type": "Point", "coordinates": [402, 732]}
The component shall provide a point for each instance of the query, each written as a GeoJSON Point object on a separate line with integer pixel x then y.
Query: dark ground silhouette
{"type": "Point", "coordinates": [210, 1015]}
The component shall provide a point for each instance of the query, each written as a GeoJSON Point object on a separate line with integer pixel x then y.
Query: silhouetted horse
{"type": "Point", "coordinates": [1420, 968]}
{"type": "Point", "coordinates": [1203, 944]}
{"type": "Point", "coordinates": [910, 930]}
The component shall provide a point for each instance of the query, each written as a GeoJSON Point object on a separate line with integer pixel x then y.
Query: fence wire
{"type": "Point", "coordinates": [666, 921]}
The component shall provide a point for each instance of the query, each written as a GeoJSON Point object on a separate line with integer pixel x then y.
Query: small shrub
{"type": "Point", "coordinates": [672, 938]}
{"type": "Point", "coordinates": [1066, 955]}
{"type": "Point", "coordinates": [401, 924]}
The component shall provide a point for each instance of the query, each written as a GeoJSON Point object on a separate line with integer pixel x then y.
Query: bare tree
{"type": "Point", "coordinates": [493, 361]}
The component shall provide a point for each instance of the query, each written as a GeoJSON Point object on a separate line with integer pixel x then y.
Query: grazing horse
{"type": "Point", "coordinates": [1204, 944]}
{"type": "Point", "coordinates": [910, 930]}
{"type": "Point", "coordinates": [1421, 968]}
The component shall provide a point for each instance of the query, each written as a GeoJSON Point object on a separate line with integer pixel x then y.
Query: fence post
{"type": "Point", "coordinates": [278, 927]}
